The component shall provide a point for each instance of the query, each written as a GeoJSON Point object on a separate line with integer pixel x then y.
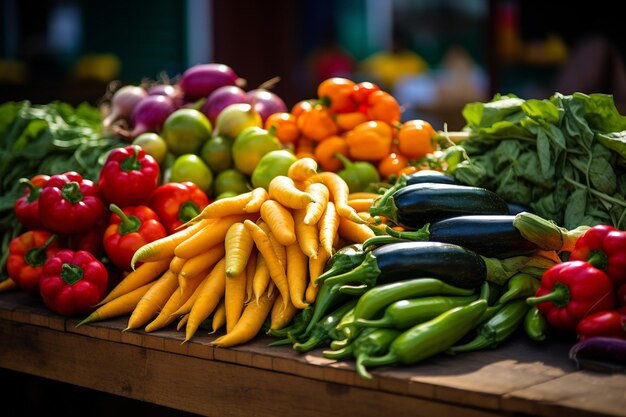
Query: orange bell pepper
{"type": "Point", "coordinates": [370, 141]}
{"type": "Point", "coordinates": [317, 123]}
{"type": "Point", "coordinates": [337, 94]}
{"type": "Point", "coordinates": [383, 106]}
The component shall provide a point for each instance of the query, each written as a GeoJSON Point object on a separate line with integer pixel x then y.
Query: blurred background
{"type": "Point", "coordinates": [432, 55]}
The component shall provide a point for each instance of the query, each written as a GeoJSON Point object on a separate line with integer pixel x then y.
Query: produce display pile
{"type": "Point", "coordinates": [333, 225]}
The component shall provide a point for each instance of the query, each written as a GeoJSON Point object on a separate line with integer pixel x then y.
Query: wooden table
{"type": "Point", "coordinates": [520, 377]}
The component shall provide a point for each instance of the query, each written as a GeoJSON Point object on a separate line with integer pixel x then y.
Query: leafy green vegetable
{"type": "Point", "coordinates": [564, 157]}
{"type": "Point", "coordinates": [45, 139]}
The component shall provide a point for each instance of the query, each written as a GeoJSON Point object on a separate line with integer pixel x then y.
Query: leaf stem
{"type": "Point", "coordinates": [597, 193]}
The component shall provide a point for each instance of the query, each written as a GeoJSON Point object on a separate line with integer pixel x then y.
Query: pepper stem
{"type": "Point", "coordinates": [479, 342]}
{"type": "Point", "coordinates": [361, 370]}
{"type": "Point", "coordinates": [71, 274]}
{"type": "Point", "coordinates": [131, 163]}
{"type": "Point", "coordinates": [421, 234]}
{"type": "Point", "coordinates": [599, 259]}
{"type": "Point", "coordinates": [37, 256]}
{"type": "Point", "coordinates": [280, 342]}
{"type": "Point", "coordinates": [344, 352]}
{"type": "Point", "coordinates": [560, 296]}
{"type": "Point", "coordinates": [187, 211]}
{"type": "Point", "coordinates": [390, 358]}
{"type": "Point", "coordinates": [316, 339]}
{"type": "Point", "coordinates": [34, 190]}
{"type": "Point", "coordinates": [380, 240]}
{"type": "Point", "coordinates": [366, 273]}
{"type": "Point", "coordinates": [386, 206]}
{"type": "Point", "coordinates": [128, 224]}
{"type": "Point", "coordinates": [71, 192]}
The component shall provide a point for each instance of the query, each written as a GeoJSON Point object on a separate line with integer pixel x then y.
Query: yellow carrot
{"type": "Point", "coordinates": [297, 275]}
{"type": "Point", "coordinates": [354, 232]}
{"type": "Point", "coordinates": [182, 322]}
{"type": "Point", "coordinates": [250, 271]}
{"type": "Point", "coordinates": [153, 300]}
{"type": "Point", "coordinates": [207, 237]}
{"type": "Point", "coordinates": [339, 192]}
{"type": "Point", "coordinates": [311, 292]}
{"type": "Point", "coordinates": [225, 207]}
{"type": "Point", "coordinates": [358, 195]}
{"type": "Point", "coordinates": [257, 198]}
{"type": "Point", "coordinates": [315, 209]}
{"type": "Point", "coordinates": [316, 266]}
{"type": "Point", "coordinates": [249, 324]}
{"type": "Point", "coordinates": [238, 244]}
{"type": "Point", "coordinates": [119, 306]}
{"type": "Point", "coordinates": [176, 300]}
{"type": "Point", "coordinates": [187, 305]}
{"type": "Point", "coordinates": [280, 221]}
{"type": "Point", "coordinates": [360, 204]}
{"type": "Point", "coordinates": [307, 234]}
{"type": "Point", "coordinates": [302, 169]}
{"type": "Point", "coordinates": [176, 264]}
{"type": "Point", "coordinates": [200, 264]}
{"type": "Point", "coordinates": [8, 285]}
{"type": "Point", "coordinates": [234, 297]}
{"type": "Point", "coordinates": [328, 229]}
{"type": "Point", "coordinates": [284, 190]}
{"type": "Point", "coordinates": [219, 317]}
{"type": "Point", "coordinates": [279, 316]}
{"type": "Point", "coordinates": [261, 277]}
{"type": "Point", "coordinates": [209, 296]}
{"type": "Point", "coordinates": [280, 250]}
{"type": "Point", "coordinates": [163, 248]}
{"type": "Point", "coordinates": [147, 272]}
{"type": "Point", "coordinates": [274, 266]}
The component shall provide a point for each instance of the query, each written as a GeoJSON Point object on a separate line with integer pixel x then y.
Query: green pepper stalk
{"type": "Point", "coordinates": [344, 348]}
{"type": "Point", "coordinates": [378, 298]}
{"type": "Point", "coordinates": [431, 337]}
{"type": "Point", "coordinates": [546, 234]}
{"type": "Point", "coordinates": [520, 285]}
{"type": "Point", "coordinates": [370, 345]}
{"type": "Point", "coordinates": [407, 313]}
{"type": "Point", "coordinates": [535, 324]}
{"type": "Point", "coordinates": [498, 328]}
{"type": "Point", "coordinates": [298, 324]}
{"type": "Point", "coordinates": [342, 261]}
{"type": "Point", "coordinates": [320, 334]}
{"type": "Point", "coordinates": [327, 297]}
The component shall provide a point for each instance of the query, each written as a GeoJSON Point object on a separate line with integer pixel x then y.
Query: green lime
{"type": "Point", "coordinates": [230, 180]}
{"type": "Point", "coordinates": [250, 145]}
{"type": "Point", "coordinates": [217, 153]}
{"type": "Point", "coordinates": [153, 144]}
{"type": "Point", "coordinates": [190, 167]}
{"type": "Point", "coordinates": [226, 194]}
{"type": "Point", "coordinates": [186, 130]}
{"type": "Point", "coordinates": [270, 165]}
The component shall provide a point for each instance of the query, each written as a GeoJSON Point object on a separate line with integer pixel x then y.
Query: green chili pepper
{"type": "Point", "coordinates": [431, 337]}
{"type": "Point", "coordinates": [376, 299]}
{"type": "Point", "coordinates": [520, 285]}
{"type": "Point", "coordinates": [298, 325]}
{"type": "Point", "coordinates": [535, 324]}
{"type": "Point", "coordinates": [346, 348]}
{"type": "Point", "coordinates": [372, 344]}
{"type": "Point", "coordinates": [342, 261]}
{"type": "Point", "coordinates": [498, 328]}
{"type": "Point", "coordinates": [328, 297]}
{"type": "Point", "coordinates": [407, 313]}
{"type": "Point", "coordinates": [321, 333]}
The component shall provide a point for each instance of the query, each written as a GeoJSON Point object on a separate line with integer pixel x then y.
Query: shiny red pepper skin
{"type": "Point", "coordinates": [176, 203]}
{"type": "Point", "coordinates": [69, 204]}
{"type": "Point", "coordinates": [571, 291]}
{"type": "Point", "coordinates": [609, 323]}
{"type": "Point", "coordinates": [128, 230]}
{"type": "Point", "coordinates": [73, 282]}
{"type": "Point", "coordinates": [128, 177]}
{"type": "Point", "coordinates": [621, 295]}
{"type": "Point", "coordinates": [604, 247]}
{"type": "Point", "coordinates": [27, 206]}
{"type": "Point", "coordinates": [27, 254]}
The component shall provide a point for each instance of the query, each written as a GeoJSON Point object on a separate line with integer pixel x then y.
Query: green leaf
{"type": "Point", "coordinates": [541, 110]}
{"type": "Point", "coordinates": [486, 114]}
{"type": "Point", "coordinates": [616, 141]}
{"type": "Point", "coordinates": [545, 155]}
{"type": "Point", "coordinates": [601, 113]}
{"type": "Point", "coordinates": [602, 176]}
{"type": "Point", "coordinates": [575, 209]}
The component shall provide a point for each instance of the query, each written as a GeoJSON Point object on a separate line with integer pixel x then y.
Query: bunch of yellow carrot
{"type": "Point", "coordinates": [243, 258]}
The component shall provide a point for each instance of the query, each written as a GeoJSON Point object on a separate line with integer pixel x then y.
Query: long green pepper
{"type": "Point", "coordinates": [322, 332]}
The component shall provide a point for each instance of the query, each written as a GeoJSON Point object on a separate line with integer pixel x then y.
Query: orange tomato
{"type": "Point", "coordinates": [383, 106]}
{"type": "Point", "coordinates": [392, 164]}
{"type": "Point", "coordinates": [317, 123]}
{"type": "Point", "coordinates": [283, 126]}
{"type": "Point", "coordinates": [363, 90]}
{"type": "Point", "coordinates": [304, 147]}
{"type": "Point", "coordinates": [416, 138]}
{"type": "Point", "coordinates": [370, 141]}
{"type": "Point", "coordinates": [348, 121]}
{"type": "Point", "coordinates": [325, 153]}
{"type": "Point", "coordinates": [337, 94]}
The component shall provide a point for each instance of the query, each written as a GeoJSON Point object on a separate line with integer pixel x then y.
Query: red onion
{"type": "Point", "coordinates": [221, 98]}
{"type": "Point", "coordinates": [150, 113]}
{"type": "Point", "coordinates": [265, 102]}
{"type": "Point", "coordinates": [201, 80]}
{"type": "Point", "coordinates": [123, 102]}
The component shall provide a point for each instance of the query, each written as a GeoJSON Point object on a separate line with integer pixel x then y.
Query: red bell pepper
{"type": "Point", "coordinates": [176, 203]}
{"type": "Point", "coordinates": [621, 295]}
{"type": "Point", "coordinates": [570, 291]}
{"type": "Point", "coordinates": [68, 203]}
{"type": "Point", "coordinates": [73, 282]}
{"type": "Point", "coordinates": [27, 254]}
{"type": "Point", "coordinates": [128, 177]}
{"type": "Point", "coordinates": [27, 206]}
{"type": "Point", "coordinates": [91, 240]}
{"type": "Point", "coordinates": [609, 323]}
{"type": "Point", "coordinates": [128, 230]}
{"type": "Point", "coordinates": [604, 247]}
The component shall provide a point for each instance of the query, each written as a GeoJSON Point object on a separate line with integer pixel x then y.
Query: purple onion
{"type": "Point", "coordinates": [265, 102]}
{"type": "Point", "coordinates": [150, 114]}
{"type": "Point", "coordinates": [201, 80]}
{"type": "Point", "coordinates": [123, 102]}
{"type": "Point", "coordinates": [221, 98]}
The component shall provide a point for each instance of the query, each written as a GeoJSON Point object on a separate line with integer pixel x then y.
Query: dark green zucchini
{"type": "Point", "coordinates": [452, 264]}
{"type": "Point", "coordinates": [488, 235]}
{"type": "Point", "coordinates": [415, 205]}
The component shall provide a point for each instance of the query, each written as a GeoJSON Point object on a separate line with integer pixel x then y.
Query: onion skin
{"type": "Point", "coordinates": [265, 102]}
{"type": "Point", "coordinates": [600, 353]}
{"type": "Point", "coordinates": [150, 114]}
{"type": "Point", "coordinates": [221, 98]}
{"type": "Point", "coordinates": [123, 102]}
{"type": "Point", "coordinates": [201, 80]}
